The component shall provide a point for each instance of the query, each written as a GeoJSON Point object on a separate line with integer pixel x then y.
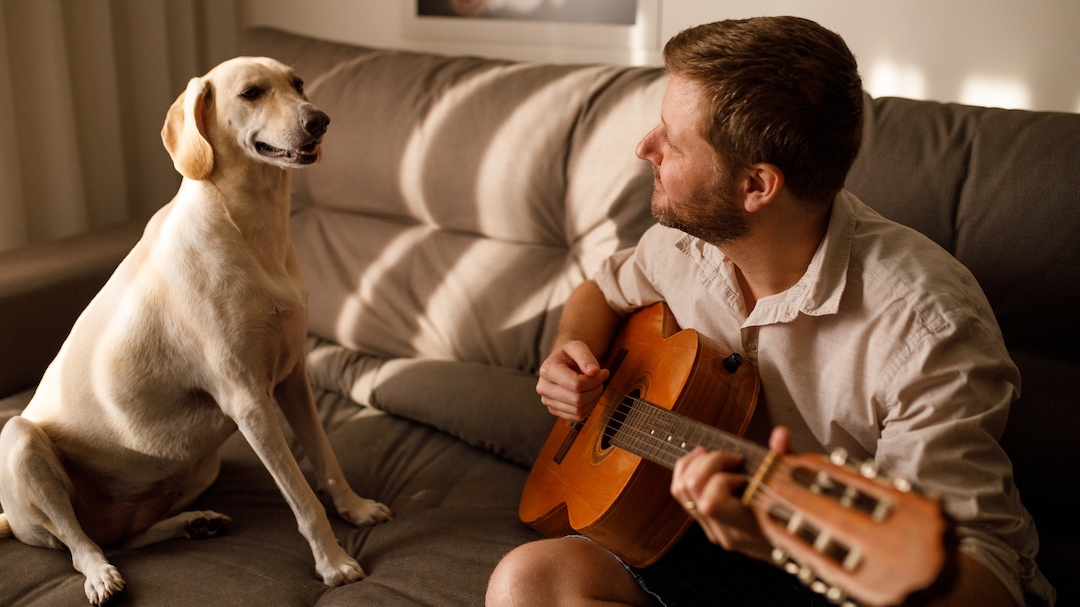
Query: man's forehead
{"type": "Point", "coordinates": [682, 109]}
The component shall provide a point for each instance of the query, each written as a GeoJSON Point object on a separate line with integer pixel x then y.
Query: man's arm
{"type": "Point", "coordinates": [974, 585]}
{"type": "Point", "coordinates": [571, 380]}
{"type": "Point", "coordinates": [708, 481]}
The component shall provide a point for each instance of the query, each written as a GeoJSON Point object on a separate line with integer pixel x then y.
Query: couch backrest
{"type": "Point", "coordinates": [1000, 190]}
{"type": "Point", "coordinates": [459, 200]}
{"type": "Point", "coordinates": [441, 227]}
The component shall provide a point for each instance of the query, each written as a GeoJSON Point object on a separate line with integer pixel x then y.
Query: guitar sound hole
{"type": "Point", "coordinates": [617, 420]}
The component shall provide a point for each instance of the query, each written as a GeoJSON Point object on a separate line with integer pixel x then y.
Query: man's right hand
{"type": "Point", "coordinates": [571, 381]}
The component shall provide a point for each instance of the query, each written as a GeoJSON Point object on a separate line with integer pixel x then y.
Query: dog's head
{"type": "Point", "coordinates": [247, 108]}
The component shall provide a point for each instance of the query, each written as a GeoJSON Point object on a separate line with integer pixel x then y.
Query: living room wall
{"type": "Point", "coordinates": [983, 52]}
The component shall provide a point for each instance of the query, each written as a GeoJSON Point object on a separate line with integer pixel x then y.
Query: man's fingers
{"type": "Point", "coordinates": [582, 357]}
{"type": "Point", "coordinates": [780, 440]}
{"type": "Point", "coordinates": [694, 470]}
{"type": "Point", "coordinates": [567, 403]}
{"type": "Point", "coordinates": [559, 372]}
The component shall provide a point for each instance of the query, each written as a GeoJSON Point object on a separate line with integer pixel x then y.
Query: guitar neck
{"type": "Point", "coordinates": [662, 437]}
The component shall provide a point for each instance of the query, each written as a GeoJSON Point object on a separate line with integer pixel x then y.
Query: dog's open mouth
{"type": "Point", "coordinates": [304, 155]}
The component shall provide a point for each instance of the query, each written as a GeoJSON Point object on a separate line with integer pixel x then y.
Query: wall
{"type": "Point", "coordinates": [985, 52]}
{"type": "Point", "coordinates": [84, 88]}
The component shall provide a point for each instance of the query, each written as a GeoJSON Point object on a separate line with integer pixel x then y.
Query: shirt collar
{"type": "Point", "coordinates": [819, 290]}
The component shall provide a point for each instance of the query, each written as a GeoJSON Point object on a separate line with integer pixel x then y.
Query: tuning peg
{"type": "Point", "coordinates": [839, 456]}
{"type": "Point", "coordinates": [835, 595]}
{"type": "Point", "coordinates": [869, 469]}
{"type": "Point", "coordinates": [806, 575]}
{"type": "Point", "coordinates": [902, 484]}
{"type": "Point", "coordinates": [779, 556]}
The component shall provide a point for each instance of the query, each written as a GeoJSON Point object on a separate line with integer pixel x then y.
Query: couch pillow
{"type": "Point", "coordinates": [459, 200]}
{"type": "Point", "coordinates": [489, 407]}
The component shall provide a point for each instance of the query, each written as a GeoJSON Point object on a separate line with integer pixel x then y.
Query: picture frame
{"type": "Point", "coordinates": [642, 35]}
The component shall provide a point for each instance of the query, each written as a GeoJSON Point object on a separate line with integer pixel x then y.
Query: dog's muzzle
{"type": "Point", "coordinates": [313, 124]}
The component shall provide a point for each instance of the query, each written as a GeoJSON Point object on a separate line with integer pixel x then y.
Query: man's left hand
{"type": "Point", "coordinates": [706, 484]}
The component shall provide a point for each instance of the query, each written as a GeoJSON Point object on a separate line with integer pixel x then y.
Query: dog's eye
{"type": "Point", "coordinates": [251, 92]}
{"type": "Point", "coordinates": [299, 86]}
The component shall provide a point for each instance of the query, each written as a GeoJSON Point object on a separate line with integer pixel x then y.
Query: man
{"type": "Point", "coordinates": [866, 335]}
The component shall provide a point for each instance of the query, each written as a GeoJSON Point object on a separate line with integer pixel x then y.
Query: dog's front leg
{"type": "Point", "coordinates": [254, 415]}
{"type": "Point", "coordinates": [297, 403]}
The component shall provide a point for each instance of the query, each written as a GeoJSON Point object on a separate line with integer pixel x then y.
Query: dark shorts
{"type": "Point", "coordinates": [697, 572]}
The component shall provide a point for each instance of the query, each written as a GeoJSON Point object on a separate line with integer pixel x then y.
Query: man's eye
{"type": "Point", "coordinates": [252, 92]}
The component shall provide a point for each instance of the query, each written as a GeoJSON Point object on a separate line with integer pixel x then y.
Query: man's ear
{"type": "Point", "coordinates": [761, 184]}
{"type": "Point", "coordinates": [184, 133]}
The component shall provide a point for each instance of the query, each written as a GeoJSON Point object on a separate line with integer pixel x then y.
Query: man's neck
{"type": "Point", "coordinates": [775, 255]}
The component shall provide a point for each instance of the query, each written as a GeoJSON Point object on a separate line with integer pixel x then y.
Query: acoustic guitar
{"type": "Point", "coordinates": [846, 530]}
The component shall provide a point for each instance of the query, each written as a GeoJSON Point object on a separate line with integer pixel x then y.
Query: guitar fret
{"type": "Point", "coordinates": [661, 436]}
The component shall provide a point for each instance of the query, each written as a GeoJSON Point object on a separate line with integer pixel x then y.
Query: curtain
{"type": "Point", "coordinates": [84, 88]}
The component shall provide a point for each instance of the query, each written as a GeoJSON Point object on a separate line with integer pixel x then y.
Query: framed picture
{"type": "Point", "coordinates": [612, 24]}
{"type": "Point", "coordinates": [610, 12]}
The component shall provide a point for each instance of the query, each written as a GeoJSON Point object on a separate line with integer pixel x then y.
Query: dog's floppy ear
{"type": "Point", "coordinates": [184, 133]}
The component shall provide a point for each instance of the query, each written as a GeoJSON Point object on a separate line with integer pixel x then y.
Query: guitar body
{"type": "Point", "coordinates": [582, 483]}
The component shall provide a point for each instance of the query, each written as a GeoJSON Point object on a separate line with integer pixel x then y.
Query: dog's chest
{"type": "Point", "coordinates": [293, 323]}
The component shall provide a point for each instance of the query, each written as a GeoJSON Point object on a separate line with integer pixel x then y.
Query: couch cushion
{"type": "Point", "coordinates": [964, 176]}
{"type": "Point", "coordinates": [455, 511]}
{"type": "Point", "coordinates": [455, 208]}
{"type": "Point", "coordinates": [493, 408]}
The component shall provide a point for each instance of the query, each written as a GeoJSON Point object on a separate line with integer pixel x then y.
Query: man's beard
{"type": "Point", "coordinates": [712, 213]}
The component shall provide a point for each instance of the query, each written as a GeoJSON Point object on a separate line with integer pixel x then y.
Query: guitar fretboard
{"type": "Point", "coordinates": [661, 436]}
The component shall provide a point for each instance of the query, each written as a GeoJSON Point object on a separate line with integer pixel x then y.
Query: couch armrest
{"type": "Point", "coordinates": [44, 288]}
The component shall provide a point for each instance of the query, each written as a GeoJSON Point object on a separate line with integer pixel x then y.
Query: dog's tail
{"type": "Point", "coordinates": [5, 528]}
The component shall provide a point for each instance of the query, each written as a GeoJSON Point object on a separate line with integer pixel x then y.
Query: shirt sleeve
{"type": "Point", "coordinates": [624, 278]}
{"type": "Point", "coordinates": [944, 409]}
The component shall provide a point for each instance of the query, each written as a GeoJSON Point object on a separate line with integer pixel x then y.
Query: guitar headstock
{"type": "Point", "coordinates": [846, 531]}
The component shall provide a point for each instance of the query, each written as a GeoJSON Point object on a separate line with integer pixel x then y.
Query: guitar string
{"type": "Point", "coordinates": [737, 444]}
{"type": "Point", "coordinates": [765, 497]}
{"type": "Point", "coordinates": [659, 445]}
{"type": "Point", "coordinates": [656, 445]}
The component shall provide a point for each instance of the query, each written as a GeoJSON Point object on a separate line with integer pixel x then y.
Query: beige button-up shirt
{"type": "Point", "coordinates": [886, 347]}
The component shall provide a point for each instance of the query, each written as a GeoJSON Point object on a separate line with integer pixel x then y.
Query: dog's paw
{"type": "Point", "coordinates": [362, 512]}
{"type": "Point", "coordinates": [204, 524]}
{"type": "Point", "coordinates": [342, 570]}
{"type": "Point", "coordinates": [103, 584]}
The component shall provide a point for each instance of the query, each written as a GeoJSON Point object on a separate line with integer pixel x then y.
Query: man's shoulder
{"type": "Point", "coordinates": [898, 264]}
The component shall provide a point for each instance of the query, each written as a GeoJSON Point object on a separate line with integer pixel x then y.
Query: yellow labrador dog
{"type": "Point", "coordinates": [199, 332]}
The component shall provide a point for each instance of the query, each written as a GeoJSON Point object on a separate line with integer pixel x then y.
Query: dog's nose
{"type": "Point", "coordinates": [314, 122]}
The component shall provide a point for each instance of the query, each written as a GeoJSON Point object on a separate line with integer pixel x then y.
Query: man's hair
{"type": "Point", "coordinates": [781, 90]}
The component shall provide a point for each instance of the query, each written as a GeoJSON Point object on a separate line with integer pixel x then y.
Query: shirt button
{"type": "Point", "coordinates": [751, 345]}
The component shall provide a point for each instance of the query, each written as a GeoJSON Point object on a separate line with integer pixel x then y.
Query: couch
{"type": "Point", "coordinates": [458, 202]}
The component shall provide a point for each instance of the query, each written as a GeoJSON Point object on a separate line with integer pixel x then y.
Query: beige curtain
{"type": "Point", "coordinates": [84, 87]}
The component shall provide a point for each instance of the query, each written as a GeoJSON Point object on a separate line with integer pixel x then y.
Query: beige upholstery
{"type": "Point", "coordinates": [454, 210]}
{"type": "Point", "coordinates": [458, 202]}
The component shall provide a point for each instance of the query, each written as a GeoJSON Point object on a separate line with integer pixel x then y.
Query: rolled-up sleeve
{"type": "Point", "coordinates": [944, 407]}
{"type": "Point", "coordinates": [624, 278]}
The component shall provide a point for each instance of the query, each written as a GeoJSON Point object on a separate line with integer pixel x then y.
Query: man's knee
{"type": "Point", "coordinates": [521, 576]}
{"type": "Point", "coordinates": [563, 571]}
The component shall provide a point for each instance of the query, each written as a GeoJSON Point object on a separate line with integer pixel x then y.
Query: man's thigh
{"type": "Point", "coordinates": [696, 572]}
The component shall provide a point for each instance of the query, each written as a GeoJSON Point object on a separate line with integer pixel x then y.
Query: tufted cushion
{"type": "Point", "coordinates": [454, 210]}
{"type": "Point", "coordinates": [964, 176]}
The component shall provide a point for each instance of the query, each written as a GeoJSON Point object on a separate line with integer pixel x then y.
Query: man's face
{"type": "Point", "coordinates": [691, 191]}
